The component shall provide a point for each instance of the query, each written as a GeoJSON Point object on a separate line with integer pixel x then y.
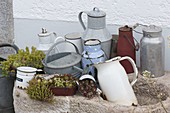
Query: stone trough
{"type": "Point", "coordinates": [148, 97]}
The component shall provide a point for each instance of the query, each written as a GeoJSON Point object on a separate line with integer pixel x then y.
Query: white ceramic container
{"type": "Point", "coordinates": [24, 75]}
{"type": "Point", "coordinates": [114, 81]}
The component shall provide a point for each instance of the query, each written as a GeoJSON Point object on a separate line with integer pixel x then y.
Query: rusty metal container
{"type": "Point", "coordinates": [126, 47]}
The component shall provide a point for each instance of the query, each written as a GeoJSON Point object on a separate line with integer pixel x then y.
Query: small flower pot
{"type": "Point", "coordinates": [87, 86]}
{"type": "Point", "coordinates": [57, 91]}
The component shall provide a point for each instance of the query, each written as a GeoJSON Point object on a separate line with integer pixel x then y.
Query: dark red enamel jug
{"type": "Point", "coordinates": [126, 47]}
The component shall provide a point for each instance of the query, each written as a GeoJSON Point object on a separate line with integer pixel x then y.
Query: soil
{"type": "Point", "coordinates": [148, 91]}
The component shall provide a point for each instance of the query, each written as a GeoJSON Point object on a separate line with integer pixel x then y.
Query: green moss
{"type": "Point", "coordinates": [38, 89]}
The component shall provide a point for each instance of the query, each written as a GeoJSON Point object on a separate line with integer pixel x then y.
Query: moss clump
{"type": "Point", "coordinates": [38, 89]}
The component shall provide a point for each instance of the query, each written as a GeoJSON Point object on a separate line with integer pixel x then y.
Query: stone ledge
{"type": "Point", "coordinates": [79, 104]}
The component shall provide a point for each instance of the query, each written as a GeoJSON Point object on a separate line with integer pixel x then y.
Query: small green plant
{"type": "Point", "coordinates": [63, 81]}
{"type": "Point", "coordinates": [87, 88]}
{"type": "Point", "coordinates": [38, 89]}
{"type": "Point", "coordinates": [25, 57]}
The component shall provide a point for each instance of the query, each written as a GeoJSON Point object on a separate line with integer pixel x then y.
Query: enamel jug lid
{"type": "Point", "coordinates": [96, 13]}
{"type": "Point", "coordinates": [73, 36]}
{"type": "Point", "coordinates": [152, 29]}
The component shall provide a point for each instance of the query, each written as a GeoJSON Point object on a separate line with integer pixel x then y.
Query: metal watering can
{"type": "Point", "coordinates": [6, 85]}
{"type": "Point", "coordinates": [63, 62]}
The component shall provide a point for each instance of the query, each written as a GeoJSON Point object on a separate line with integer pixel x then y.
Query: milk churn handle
{"type": "Point", "coordinates": [134, 68]}
{"type": "Point", "coordinates": [80, 19]}
{"type": "Point", "coordinates": [136, 25]}
{"type": "Point", "coordinates": [51, 48]}
{"type": "Point", "coordinates": [136, 47]}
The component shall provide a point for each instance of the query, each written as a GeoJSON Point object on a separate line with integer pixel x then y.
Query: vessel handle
{"type": "Point", "coordinates": [135, 77]}
{"type": "Point", "coordinates": [10, 45]}
{"type": "Point", "coordinates": [80, 19]}
{"type": "Point", "coordinates": [57, 43]}
{"type": "Point", "coordinates": [59, 39]}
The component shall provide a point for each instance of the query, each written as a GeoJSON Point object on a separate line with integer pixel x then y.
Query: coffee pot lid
{"type": "Point", "coordinates": [44, 33]}
{"type": "Point", "coordinates": [96, 13]}
{"type": "Point", "coordinates": [152, 29]}
{"type": "Point", "coordinates": [125, 28]}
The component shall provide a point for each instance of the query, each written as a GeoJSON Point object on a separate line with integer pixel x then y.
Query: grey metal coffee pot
{"type": "Point", "coordinates": [96, 28]}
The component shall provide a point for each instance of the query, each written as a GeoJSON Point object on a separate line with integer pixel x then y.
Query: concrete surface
{"type": "Point", "coordinates": [6, 21]}
{"type": "Point", "coordinates": [79, 104]}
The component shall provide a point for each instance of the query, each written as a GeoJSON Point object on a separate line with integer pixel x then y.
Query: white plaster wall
{"type": "Point", "coordinates": [61, 16]}
{"type": "Point", "coordinates": [118, 11]}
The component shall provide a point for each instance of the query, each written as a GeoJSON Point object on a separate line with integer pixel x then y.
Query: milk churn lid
{"type": "Point", "coordinates": [96, 13]}
{"type": "Point", "coordinates": [125, 28]}
{"type": "Point", "coordinates": [152, 29]}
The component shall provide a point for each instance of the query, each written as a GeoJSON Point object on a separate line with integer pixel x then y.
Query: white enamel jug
{"type": "Point", "coordinates": [114, 81]}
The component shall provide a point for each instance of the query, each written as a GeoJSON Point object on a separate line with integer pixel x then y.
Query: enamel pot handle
{"type": "Point", "coordinates": [80, 19]}
{"type": "Point", "coordinates": [134, 68]}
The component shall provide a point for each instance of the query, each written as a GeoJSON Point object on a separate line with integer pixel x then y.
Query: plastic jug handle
{"type": "Point", "coordinates": [134, 68]}
{"type": "Point", "coordinates": [80, 19]}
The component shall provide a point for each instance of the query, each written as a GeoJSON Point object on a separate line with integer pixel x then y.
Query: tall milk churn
{"type": "Point", "coordinates": [152, 50]}
{"type": "Point", "coordinates": [96, 29]}
{"type": "Point", "coordinates": [126, 47]}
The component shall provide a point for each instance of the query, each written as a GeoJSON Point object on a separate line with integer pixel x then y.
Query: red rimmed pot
{"type": "Point", "coordinates": [58, 91]}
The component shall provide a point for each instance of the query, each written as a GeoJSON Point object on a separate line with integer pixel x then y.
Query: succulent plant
{"type": "Point", "coordinates": [87, 88]}
{"type": "Point", "coordinates": [63, 81]}
{"type": "Point", "coordinates": [25, 57]}
{"type": "Point", "coordinates": [39, 89]}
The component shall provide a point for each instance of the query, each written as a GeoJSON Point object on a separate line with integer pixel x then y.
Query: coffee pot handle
{"type": "Point", "coordinates": [80, 19]}
{"type": "Point", "coordinates": [134, 68]}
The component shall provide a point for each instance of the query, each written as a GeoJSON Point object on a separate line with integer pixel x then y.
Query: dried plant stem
{"type": "Point", "coordinates": [163, 106]}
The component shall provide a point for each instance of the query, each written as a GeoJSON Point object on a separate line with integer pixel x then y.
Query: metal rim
{"type": "Point", "coordinates": [92, 44]}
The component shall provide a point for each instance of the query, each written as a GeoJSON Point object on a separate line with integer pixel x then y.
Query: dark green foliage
{"type": "Point", "coordinates": [23, 58]}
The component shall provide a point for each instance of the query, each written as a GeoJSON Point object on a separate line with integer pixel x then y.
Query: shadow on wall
{"type": "Point", "coordinates": [26, 30]}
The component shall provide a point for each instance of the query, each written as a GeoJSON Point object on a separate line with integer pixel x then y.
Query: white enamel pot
{"type": "Point", "coordinates": [24, 75]}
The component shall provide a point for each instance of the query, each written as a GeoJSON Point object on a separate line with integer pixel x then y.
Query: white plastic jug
{"type": "Point", "coordinates": [114, 81]}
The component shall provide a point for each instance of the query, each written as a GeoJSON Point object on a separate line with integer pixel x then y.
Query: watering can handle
{"type": "Point", "coordinates": [10, 45]}
{"type": "Point", "coordinates": [134, 68]}
{"type": "Point", "coordinates": [50, 49]}
{"type": "Point", "coordinates": [80, 19]}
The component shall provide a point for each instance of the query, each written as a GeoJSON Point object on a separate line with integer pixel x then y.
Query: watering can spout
{"type": "Point", "coordinates": [78, 69]}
